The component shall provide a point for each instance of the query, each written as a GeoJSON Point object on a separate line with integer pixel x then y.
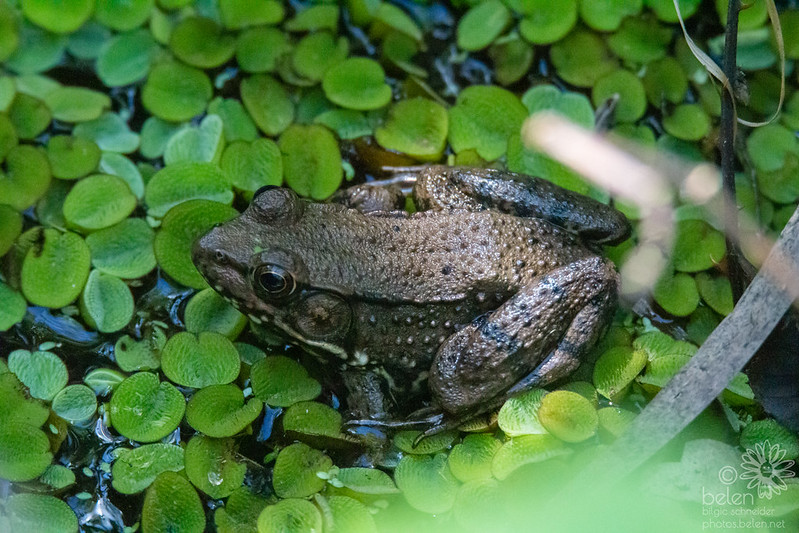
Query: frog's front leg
{"type": "Point", "coordinates": [535, 338]}
{"type": "Point", "coordinates": [372, 197]}
{"type": "Point", "coordinates": [446, 188]}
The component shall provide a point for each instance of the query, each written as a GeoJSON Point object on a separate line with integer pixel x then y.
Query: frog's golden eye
{"type": "Point", "coordinates": [274, 281]}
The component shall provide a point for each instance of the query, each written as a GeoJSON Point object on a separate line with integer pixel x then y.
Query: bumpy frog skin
{"type": "Point", "coordinates": [494, 286]}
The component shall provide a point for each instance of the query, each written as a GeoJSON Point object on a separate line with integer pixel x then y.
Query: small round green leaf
{"type": "Point", "coordinates": [404, 440]}
{"type": "Point", "coordinates": [145, 354]}
{"type": "Point", "coordinates": [417, 127]}
{"type": "Point", "coordinates": [258, 49]}
{"type": "Point", "coordinates": [426, 482]}
{"type": "Point", "coordinates": [483, 119]}
{"type": "Point", "coordinates": [72, 157]}
{"type": "Point", "coordinates": [296, 466]}
{"type": "Point", "coordinates": [546, 22]}
{"type": "Point", "coordinates": [716, 292]}
{"type": "Point", "coordinates": [201, 42]}
{"type": "Point", "coordinates": [110, 132]}
{"type": "Point", "coordinates": [181, 182]}
{"type": "Point", "coordinates": [220, 411]}
{"type": "Point", "coordinates": [632, 98]}
{"type": "Point", "coordinates": [768, 433]}
{"type": "Point", "coordinates": [208, 311]}
{"type": "Point", "coordinates": [135, 469]}
{"type": "Point", "coordinates": [126, 58]}
{"type": "Point", "coordinates": [98, 201]}
{"type": "Point", "coordinates": [26, 453]}
{"type": "Point", "coordinates": [357, 83]}
{"type": "Point", "coordinates": [697, 246]}
{"type": "Point", "coordinates": [345, 515]}
{"type": "Point", "coordinates": [294, 515]}
{"type": "Point", "coordinates": [688, 122]}
{"type": "Point", "coordinates": [581, 58]}
{"type": "Point", "coordinates": [519, 414]}
{"type": "Point", "coordinates": [12, 307]}
{"type": "Point", "coordinates": [65, 16]}
{"type": "Point", "coordinates": [200, 360]}
{"type": "Point", "coordinates": [268, 103]}
{"type": "Point", "coordinates": [482, 24]}
{"type": "Point", "coordinates": [366, 480]}
{"type": "Point", "coordinates": [77, 104]}
{"type": "Point", "coordinates": [172, 504]}
{"type": "Point", "coordinates": [176, 92]}
{"type": "Point", "coordinates": [676, 293]}
{"type": "Point", "coordinates": [472, 458]}
{"type": "Point", "coordinates": [311, 160]}
{"type": "Point", "coordinates": [55, 269]}
{"type": "Point", "coordinates": [527, 449]}
{"type": "Point", "coordinates": [42, 513]}
{"type": "Point", "coordinates": [568, 416]}
{"type": "Point", "coordinates": [124, 250]}
{"type": "Point", "coordinates": [606, 15]}
{"type": "Point", "coordinates": [243, 13]}
{"type": "Point", "coordinates": [24, 177]}
{"type": "Point", "coordinates": [250, 166]}
{"type": "Point", "coordinates": [202, 143]}
{"type": "Point", "coordinates": [280, 382]}
{"type": "Point", "coordinates": [144, 409]}
{"type": "Point", "coordinates": [211, 466]}
{"type": "Point", "coordinates": [75, 403]}
{"type": "Point", "coordinates": [615, 369]}
{"type": "Point", "coordinates": [106, 303]}
{"type": "Point", "coordinates": [312, 418]}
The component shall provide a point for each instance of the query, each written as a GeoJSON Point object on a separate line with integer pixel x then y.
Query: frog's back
{"type": "Point", "coordinates": [428, 256]}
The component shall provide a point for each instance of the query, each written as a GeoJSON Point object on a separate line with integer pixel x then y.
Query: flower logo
{"type": "Point", "coordinates": [766, 468]}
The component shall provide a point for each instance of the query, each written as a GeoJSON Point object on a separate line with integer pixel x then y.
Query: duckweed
{"type": "Point", "coordinates": [200, 360]}
{"type": "Point", "coordinates": [172, 504]}
{"type": "Point", "coordinates": [295, 471]}
{"type": "Point", "coordinates": [135, 469]}
{"type": "Point", "coordinates": [211, 466]}
{"type": "Point", "coordinates": [426, 482]}
{"type": "Point", "coordinates": [221, 411]}
{"type": "Point", "coordinates": [568, 416]}
{"type": "Point", "coordinates": [144, 409]}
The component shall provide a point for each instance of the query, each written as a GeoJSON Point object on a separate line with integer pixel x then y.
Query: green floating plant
{"type": "Point", "coordinates": [477, 504]}
{"type": "Point", "coordinates": [640, 40]}
{"type": "Point", "coordinates": [664, 9]}
{"type": "Point", "coordinates": [526, 449]}
{"type": "Point", "coordinates": [606, 15]}
{"type": "Point", "coordinates": [132, 355]}
{"type": "Point", "coordinates": [268, 103]}
{"type": "Point", "coordinates": [9, 31]}
{"type": "Point", "coordinates": [12, 307]}
{"type": "Point", "coordinates": [472, 459]}
{"type": "Point", "coordinates": [87, 41]}
{"type": "Point", "coordinates": [236, 123]}
{"type": "Point", "coordinates": [44, 373]}
{"type": "Point", "coordinates": [75, 403]}
{"type": "Point", "coordinates": [344, 514]}
{"type": "Point", "coordinates": [144, 409]}
{"type": "Point", "coordinates": [238, 14]}
{"type": "Point", "coordinates": [135, 469]}
{"type": "Point", "coordinates": [291, 514]}
{"type": "Point", "coordinates": [519, 414]}
{"type": "Point", "coordinates": [249, 354]}
{"type": "Point", "coordinates": [581, 58]}
{"type": "Point", "coordinates": [314, 18]}
{"type": "Point", "coordinates": [208, 311]}
{"type": "Point", "coordinates": [281, 382]}
{"type": "Point", "coordinates": [30, 116]}
{"type": "Point", "coordinates": [259, 49]}
{"type": "Point", "coordinates": [483, 119]}
{"type": "Point", "coordinates": [388, 17]}
{"type": "Point", "coordinates": [203, 143]}
{"type": "Point", "coordinates": [676, 293]}
{"type": "Point", "coordinates": [316, 53]}
{"type": "Point", "coordinates": [665, 81]}
{"type": "Point", "coordinates": [211, 466]}
{"type": "Point", "coordinates": [72, 157]}
{"type": "Point", "coordinates": [38, 50]}
{"type": "Point", "coordinates": [24, 177]}
{"type": "Point", "coordinates": [156, 133]}
{"type": "Point", "coordinates": [295, 471]}
{"type": "Point", "coordinates": [26, 453]}
{"type": "Point", "coordinates": [482, 24]}
{"type": "Point", "coordinates": [181, 226]}
{"type": "Point", "coordinates": [110, 133]}
{"type": "Point", "coordinates": [426, 482]}
{"type": "Point", "coordinates": [613, 421]}
{"type": "Point", "coordinates": [616, 369]}
{"type": "Point", "coordinates": [126, 58]}
{"type": "Point", "coordinates": [176, 92]}
{"type": "Point", "coordinates": [58, 477]}
{"type": "Point", "coordinates": [697, 246]}
{"type": "Point", "coordinates": [172, 504]}
{"type": "Point", "coordinates": [201, 42]}
{"type": "Point", "coordinates": [240, 513]}
{"type": "Point", "coordinates": [311, 160]}
{"type": "Point", "coordinates": [512, 57]}
{"type": "Point", "coordinates": [76, 104]}
{"type": "Point", "coordinates": [123, 16]}
{"type": "Point", "coordinates": [366, 480]}
{"type": "Point", "coordinates": [768, 433]}
{"type": "Point", "coordinates": [716, 292]}
{"type": "Point", "coordinates": [632, 97]}
{"type": "Point", "coordinates": [252, 165]}
{"type": "Point", "coordinates": [124, 250]}
{"type": "Point", "coordinates": [200, 360]}
{"type": "Point", "coordinates": [545, 22]}
{"type": "Point", "coordinates": [404, 440]}
{"type": "Point", "coordinates": [312, 418]}
{"type": "Point", "coordinates": [97, 202]}
{"type": "Point", "coordinates": [106, 303]}
{"type": "Point", "coordinates": [417, 127]}
{"type": "Point", "coordinates": [10, 227]}
{"type": "Point", "coordinates": [185, 181]}
{"type": "Point", "coordinates": [103, 380]}
{"type": "Point", "coordinates": [568, 416]}
{"type": "Point", "coordinates": [220, 410]}
{"type": "Point", "coordinates": [357, 83]}
{"type": "Point", "coordinates": [38, 512]}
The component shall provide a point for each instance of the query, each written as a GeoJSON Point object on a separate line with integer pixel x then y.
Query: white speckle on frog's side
{"type": "Point", "coordinates": [255, 319]}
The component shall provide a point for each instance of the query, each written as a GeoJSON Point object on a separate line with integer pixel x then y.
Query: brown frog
{"type": "Point", "coordinates": [494, 286]}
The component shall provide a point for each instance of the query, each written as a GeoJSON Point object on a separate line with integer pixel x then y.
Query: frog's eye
{"type": "Point", "coordinates": [274, 281]}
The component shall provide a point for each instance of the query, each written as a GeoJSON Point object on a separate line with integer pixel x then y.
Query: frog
{"type": "Point", "coordinates": [494, 285]}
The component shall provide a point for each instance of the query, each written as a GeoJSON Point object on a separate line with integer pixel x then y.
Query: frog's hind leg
{"type": "Point", "coordinates": [444, 188]}
{"type": "Point", "coordinates": [535, 338]}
